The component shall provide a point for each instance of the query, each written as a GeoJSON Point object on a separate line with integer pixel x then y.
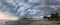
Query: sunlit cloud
{"type": "Point", "coordinates": [6, 17]}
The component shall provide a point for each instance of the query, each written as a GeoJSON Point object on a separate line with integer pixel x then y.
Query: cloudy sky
{"type": "Point", "coordinates": [29, 8]}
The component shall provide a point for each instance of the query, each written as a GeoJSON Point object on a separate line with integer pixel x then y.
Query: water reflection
{"type": "Point", "coordinates": [31, 22]}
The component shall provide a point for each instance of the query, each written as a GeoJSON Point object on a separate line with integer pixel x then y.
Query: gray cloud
{"type": "Point", "coordinates": [28, 8]}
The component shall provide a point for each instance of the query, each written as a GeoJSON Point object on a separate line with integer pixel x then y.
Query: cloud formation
{"type": "Point", "coordinates": [28, 8]}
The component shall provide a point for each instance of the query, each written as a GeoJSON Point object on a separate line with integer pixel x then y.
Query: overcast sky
{"type": "Point", "coordinates": [29, 8]}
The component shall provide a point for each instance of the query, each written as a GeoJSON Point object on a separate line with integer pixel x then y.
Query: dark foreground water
{"type": "Point", "coordinates": [30, 22]}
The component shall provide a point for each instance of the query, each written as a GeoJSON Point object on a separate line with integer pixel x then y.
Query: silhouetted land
{"type": "Point", "coordinates": [53, 17]}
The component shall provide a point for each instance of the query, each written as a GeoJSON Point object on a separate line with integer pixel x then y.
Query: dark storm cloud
{"type": "Point", "coordinates": [28, 8]}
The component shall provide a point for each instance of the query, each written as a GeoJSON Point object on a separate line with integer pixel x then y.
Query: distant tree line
{"type": "Point", "coordinates": [53, 17]}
